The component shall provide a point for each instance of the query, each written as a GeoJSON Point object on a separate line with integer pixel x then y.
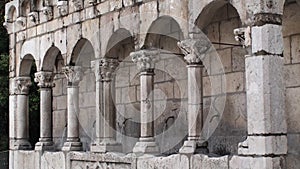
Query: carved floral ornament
{"type": "Point", "coordinates": [73, 74]}
{"type": "Point", "coordinates": [78, 4]}
{"type": "Point", "coordinates": [146, 59]}
{"type": "Point", "coordinates": [44, 79]}
{"type": "Point", "coordinates": [63, 7]}
{"type": "Point", "coordinates": [107, 68]}
{"type": "Point", "coordinates": [194, 50]}
{"type": "Point", "coordinates": [104, 68]}
{"type": "Point", "coordinates": [20, 85]}
{"type": "Point", "coordinates": [243, 36]}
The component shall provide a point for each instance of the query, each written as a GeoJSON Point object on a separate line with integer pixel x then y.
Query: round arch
{"type": "Point", "coordinates": [26, 65]}
{"type": "Point", "coordinates": [120, 44]}
{"type": "Point", "coordinates": [164, 33]}
{"type": "Point", "coordinates": [50, 60]}
{"type": "Point", "coordinates": [83, 53]}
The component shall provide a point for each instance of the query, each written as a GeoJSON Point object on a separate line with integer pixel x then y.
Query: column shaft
{"type": "Point", "coordinates": [147, 123]}
{"type": "Point", "coordinates": [22, 116]}
{"type": "Point", "coordinates": [73, 113]}
{"type": "Point", "coordinates": [45, 82]}
{"type": "Point", "coordinates": [195, 101]}
{"type": "Point", "coordinates": [46, 114]}
{"type": "Point", "coordinates": [109, 112]}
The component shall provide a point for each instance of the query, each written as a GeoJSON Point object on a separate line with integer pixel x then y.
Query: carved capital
{"type": "Point", "coordinates": [21, 21]}
{"type": "Point", "coordinates": [20, 85]}
{"type": "Point", "coordinates": [194, 49]}
{"type": "Point", "coordinates": [145, 59]}
{"type": "Point", "coordinates": [78, 4]}
{"type": "Point", "coordinates": [73, 74]}
{"type": "Point", "coordinates": [63, 8]}
{"type": "Point", "coordinates": [108, 67]}
{"type": "Point", "coordinates": [48, 11]}
{"type": "Point", "coordinates": [104, 68]}
{"type": "Point", "coordinates": [243, 36]}
{"type": "Point", "coordinates": [44, 79]}
{"type": "Point", "coordinates": [33, 16]}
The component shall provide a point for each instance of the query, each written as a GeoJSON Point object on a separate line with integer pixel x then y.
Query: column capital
{"type": "Point", "coordinates": [146, 59]}
{"type": "Point", "coordinates": [20, 85]}
{"type": "Point", "coordinates": [104, 68]}
{"type": "Point", "coordinates": [44, 79]}
{"type": "Point", "coordinates": [73, 74]}
{"type": "Point", "coordinates": [194, 49]}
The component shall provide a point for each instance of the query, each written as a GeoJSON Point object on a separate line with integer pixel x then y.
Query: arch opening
{"type": "Point", "coordinates": [224, 75]}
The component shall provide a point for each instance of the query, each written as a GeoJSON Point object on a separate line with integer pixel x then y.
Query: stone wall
{"type": "Point", "coordinates": [291, 33]}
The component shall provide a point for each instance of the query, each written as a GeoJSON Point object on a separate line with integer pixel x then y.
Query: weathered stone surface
{"type": "Point", "coordinates": [53, 160]}
{"type": "Point", "coordinates": [203, 161]}
{"type": "Point", "coordinates": [236, 162]}
{"type": "Point", "coordinates": [171, 162]}
{"type": "Point", "coordinates": [267, 38]}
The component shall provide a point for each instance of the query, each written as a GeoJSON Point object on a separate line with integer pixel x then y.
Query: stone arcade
{"type": "Point", "coordinates": [146, 84]}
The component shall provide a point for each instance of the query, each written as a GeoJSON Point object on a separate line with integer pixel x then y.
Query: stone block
{"type": "Point", "coordinates": [267, 38]}
{"type": "Point", "coordinates": [265, 145]}
{"type": "Point", "coordinates": [32, 32]}
{"type": "Point", "coordinates": [51, 160]}
{"type": "Point", "coordinates": [238, 58]}
{"type": "Point", "coordinates": [265, 95]}
{"type": "Point", "coordinates": [259, 162]}
{"type": "Point", "coordinates": [226, 61]}
{"type": "Point", "coordinates": [61, 102]}
{"type": "Point", "coordinates": [226, 31]}
{"type": "Point", "coordinates": [292, 72]}
{"type": "Point", "coordinates": [200, 161]}
{"type": "Point", "coordinates": [128, 94]}
{"type": "Point", "coordinates": [103, 7]}
{"type": "Point", "coordinates": [293, 145]}
{"type": "Point", "coordinates": [59, 123]}
{"type": "Point", "coordinates": [233, 82]}
{"type": "Point", "coordinates": [175, 68]}
{"type": "Point", "coordinates": [295, 49]}
{"type": "Point", "coordinates": [293, 161]}
{"type": "Point", "coordinates": [290, 20]}
{"type": "Point", "coordinates": [122, 77]}
{"type": "Point", "coordinates": [170, 162]}
{"type": "Point", "coordinates": [163, 91]}
{"type": "Point", "coordinates": [25, 159]}
{"type": "Point", "coordinates": [180, 89]}
{"type": "Point", "coordinates": [87, 99]}
{"type": "Point", "coordinates": [259, 6]}
{"type": "Point", "coordinates": [287, 50]}
{"type": "Point", "coordinates": [212, 85]}
{"type": "Point", "coordinates": [293, 109]}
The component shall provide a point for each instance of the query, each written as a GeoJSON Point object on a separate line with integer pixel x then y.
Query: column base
{"type": "Point", "coordinates": [72, 146]}
{"type": "Point", "coordinates": [44, 146]}
{"type": "Point", "coordinates": [263, 145]}
{"type": "Point", "coordinates": [106, 145]}
{"type": "Point", "coordinates": [20, 144]}
{"type": "Point", "coordinates": [193, 146]}
{"type": "Point", "coordinates": [144, 147]}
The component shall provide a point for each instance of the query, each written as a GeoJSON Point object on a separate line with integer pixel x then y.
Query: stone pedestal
{"type": "Point", "coordinates": [20, 116]}
{"type": "Point", "coordinates": [74, 76]}
{"type": "Point", "coordinates": [106, 119]}
{"type": "Point", "coordinates": [194, 56]}
{"type": "Point", "coordinates": [145, 60]}
{"type": "Point", "coordinates": [45, 82]}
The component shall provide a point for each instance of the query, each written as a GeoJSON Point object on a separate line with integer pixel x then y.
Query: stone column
{"type": "Point", "coordinates": [74, 76]}
{"type": "Point", "coordinates": [106, 113]}
{"type": "Point", "coordinates": [20, 123]}
{"type": "Point", "coordinates": [267, 128]}
{"type": "Point", "coordinates": [145, 60]}
{"type": "Point", "coordinates": [45, 82]}
{"type": "Point", "coordinates": [193, 56]}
